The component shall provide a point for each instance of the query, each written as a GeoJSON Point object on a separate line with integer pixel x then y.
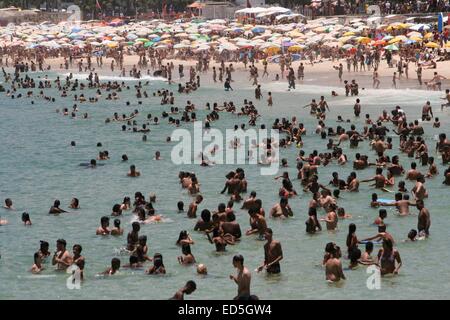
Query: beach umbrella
{"type": "Point", "coordinates": [414, 34]}
{"type": "Point", "coordinates": [296, 48]}
{"type": "Point", "coordinates": [181, 46]}
{"type": "Point", "coordinates": [258, 30]}
{"type": "Point", "coordinates": [420, 27]}
{"type": "Point", "coordinates": [388, 37]}
{"type": "Point", "coordinates": [364, 40]}
{"type": "Point", "coordinates": [349, 33]}
{"type": "Point", "coordinates": [432, 45]}
{"type": "Point", "coordinates": [447, 45]}
{"type": "Point", "coordinates": [148, 44]}
{"type": "Point", "coordinates": [391, 47]}
{"type": "Point", "coordinates": [379, 43]}
{"type": "Point", "coordinates": [395, 40]}
{"type": "Point", "coordinates": [347, 46]}
{"type": "Point", "coordinates": [415, 38]}
{"type": "Point", "coordinates": [428, 35]}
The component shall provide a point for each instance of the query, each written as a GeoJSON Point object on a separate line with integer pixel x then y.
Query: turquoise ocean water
{"type": "Point", "coordinates": [38, 165]}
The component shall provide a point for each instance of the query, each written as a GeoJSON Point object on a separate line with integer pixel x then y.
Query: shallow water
{"type": "Point", "coordinates": [38, 165]}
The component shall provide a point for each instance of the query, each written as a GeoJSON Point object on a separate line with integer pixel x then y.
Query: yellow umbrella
{"type": "Point", "coordinates": [395, 40]}
{"type": "Point", "coordinates": [432, 45]}
{"type": "Point", "coordinates": [416, 38]}
{"type": "Point", "coordinates": [428, 35]}
{"type": "Point", "coordinates": [272, 50]}
{"type": "Point", "coordinates": [363, 40]}
{"type": "Point", "coordinates": [447, 45]}
{"type": "Point", "coordinates": [345, 39]}
{"type": "Point", "coordinates": [349, 33]}
{"type": "Point", "coordinates": [295, 48]}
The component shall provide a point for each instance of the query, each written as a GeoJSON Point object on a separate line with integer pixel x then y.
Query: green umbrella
{"type": "Point", "coordinates": [391, 47]}
{"type": "Point", "coordinates": [148, 44]}
{"type": "Point", "coordinates": [141, 40]}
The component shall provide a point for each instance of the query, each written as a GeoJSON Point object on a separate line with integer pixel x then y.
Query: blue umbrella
{"type": "Point", "coordinates": [258, 30]}
{"type": "Point", "coordinates": [157, 39]}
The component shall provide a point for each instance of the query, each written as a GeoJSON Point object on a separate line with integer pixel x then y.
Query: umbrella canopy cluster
{"type": "Point", "coordinates": [219, 34]}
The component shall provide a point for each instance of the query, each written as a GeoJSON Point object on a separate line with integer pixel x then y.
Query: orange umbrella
{"type": "Point", "coordinates": [379, 43]}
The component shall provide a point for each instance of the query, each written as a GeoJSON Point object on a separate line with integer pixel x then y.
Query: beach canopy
{"type": "Point", "coordinates": [432, 45]}
{"type": "Point", "coordinates": [391, 47]}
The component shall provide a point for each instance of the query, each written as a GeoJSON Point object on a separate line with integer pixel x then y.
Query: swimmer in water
{"type": "Point", "coordinates": [74, 204]}
{"type": "Point", "coordinates": [389, 258]}
{"type": "Point", "coordinates": [273, 254]}
{"type": "Point", "coordinates": [55, 209]}
{"type": "Point", "coordinates": [134, 263]}
{"type": "Point", "coordinates": [117, 230]}
{"type": "Point", "coordinates": [37, 266]}
{"type": "Point", "coordinates": [26, 219]}
{"type": "Point", "coordinates": [8, 204]}
{"type": "Point", "coordinates": [333, 265]}
{"type": "Point", "coordinates": [62, 258]}
{"type": "Point", "coordinates": [188, 288]}
{"type": "Point", "coordinates": [158, 265]}
{"type": "Point", "coordinates": [103, 230]}
{"type": "Point", "coordinates": [115, 266]}
{"type": "Point", "coordinates": [133, 172]}
{"type": "Point", "coordinates": [242, 279]}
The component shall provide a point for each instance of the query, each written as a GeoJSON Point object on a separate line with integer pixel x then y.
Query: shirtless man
{"type": "Point", "coordinates": [419, 190]}
{"type": "Point", "coordinates": [192, 211]}
{"type": "Point", "coordinates": [424, 221]}
{"type": "Point", "coordinates": [78, 259]}
{"type": "Point", "coordinates": [402, 204]}
{"type": "Point", "coordinates": [188, 288]}
{"type": "Point", "coordinates": [447, 97]}
{"type": "Point", "coordinates": [62, 259]}
{"type": "Point", "coordinates": [258, 223]}
{"type": "Point", "coordinates": [427, 111]}
{"type": "Point", "coordinates": [273, 254]}
{"type": "Point", "coordinates": [104, 227]}
{"type": "Point", "coordinates": [133, 172]}
{"type": "Point", "coordinates": [413, 173]}
{"type": "Point", "coordinates": [379, 179]}
{"type": "Point", "coordinates": [353, 182]}
{"type": "Point", "coordinates": [115, 266]}
{"type": "Point", "coordinates": [281, 209]}
{"type": "Point", "coordinates": [333, 266]}
{"type": "Point", "coordinates": [55, 209]}
{"type": "Point", "coordinates": [242, 279]}
{"type": "Point", "coordinates": [133, 236]}
{"type": "Point", "coordinates": [381, 235]}
{"type": "Point", "coordinates": [331, 219]}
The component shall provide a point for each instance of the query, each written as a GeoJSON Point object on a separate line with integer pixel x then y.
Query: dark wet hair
{"type": "Point", "coordinates": [117, 223]}
{"type": "Point", "coordinates": [238, 258]}
{"type": "Point", "coordinates": [180, 205]}
{"type": "Point", "coordinates": [25, 217]}
{"type": "Point", "coordinates": [206, 215]}
{"type": "Point", "coordinates": [183, 235]}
